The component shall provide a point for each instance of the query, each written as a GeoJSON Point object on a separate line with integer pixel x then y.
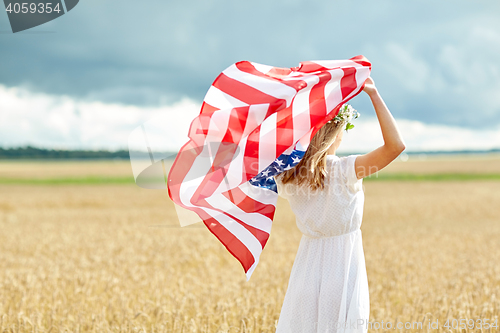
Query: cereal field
{"type": "Point", "coordinates": [110, 256]}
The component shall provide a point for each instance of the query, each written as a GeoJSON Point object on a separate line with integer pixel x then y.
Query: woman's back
{"type": "Point", "coordinates": [328, 287]}
{"type": "Point", "coordinates": [336, 209]}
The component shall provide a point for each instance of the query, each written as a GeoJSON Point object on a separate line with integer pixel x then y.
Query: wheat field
{"type": "Point", "coordinates": [112, 257]}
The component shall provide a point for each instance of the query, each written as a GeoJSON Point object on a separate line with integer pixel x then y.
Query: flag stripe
{"type": "Point", "coordinates": [243, 92]}
{"type": "Point", "coordinates": [250, 237]}
{"type": "Point", "coordinates": [348, 82]}
{"type": "Point", "coordinates": [230, 240]}
{"type": "Point", "coordinates": [259, 225]}
{"type": "Point", "coordinates": [259, 194]}
{"type": "Point", "coordinates": [248, 204]}
{"type": "Point", "coordinates": [250, 68]}
{"type": "Point", "coordinates": [267, 150]}
{"type": "Point", "coordinates": [221, 99]}
{"type": "Point", "coordinates": [274, 88]}
{"type": "Point", "coordinates": [317, 104]}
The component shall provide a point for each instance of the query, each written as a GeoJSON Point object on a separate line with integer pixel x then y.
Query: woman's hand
{"type": "Point", "coordinates": [369, 87]}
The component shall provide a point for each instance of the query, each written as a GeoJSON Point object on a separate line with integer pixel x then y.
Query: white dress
{"type": "Point", "coordinates": [328, 286]}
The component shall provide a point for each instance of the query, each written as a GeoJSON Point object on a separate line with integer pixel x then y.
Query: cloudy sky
{"type": "Point", "coordinates": [88, 78]}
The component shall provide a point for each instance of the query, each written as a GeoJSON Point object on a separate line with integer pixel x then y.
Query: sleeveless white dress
{"type": "Point", "coordinates": [328, 286]}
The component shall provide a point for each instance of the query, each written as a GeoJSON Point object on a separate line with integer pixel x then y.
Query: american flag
{"type": "Point", "coordinates": [255, 122]}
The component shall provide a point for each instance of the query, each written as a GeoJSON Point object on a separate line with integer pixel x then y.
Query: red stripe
{"type": "Point", "coordinates": [362, 61]}
{"type": "Point", "coordinates": [199, 125]}
{"type": "Point", "coordinates": [247, 67]}
{"type": "Point", "coordinates": [310, 67]}
{"type": "Point", "coordinates": [317, 103]}
{"type": "Point", "coordinates": [348, 82]}
{"type": "Point", "coordinates": [251, 157]}
{"type": "Point", "coordinates": [242, 91]}
{"type": "Point", "coordinates": [207, 108]}
{"type": "Point", "coordinates": [251, 154]}
{"type": "Point", "coordinates": [249, 205]}
{"type": "Point", "coordinates": [279, 73]}
{"type": "Point", "coordinates": [225, 154]}
{"type": "Point", "coordinates": [236, 125]}
{"type": "Point", "coordinates": [260, 235]}
{"type": "Point", "coordinates": [181, 166]}
{"type": "Point", "coordinates": [230, 241]}
{"type": "Point", "coordinates": [284, 130]}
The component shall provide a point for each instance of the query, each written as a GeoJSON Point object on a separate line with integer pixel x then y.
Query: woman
{"type": "Point", "coordinates": [328, 286]}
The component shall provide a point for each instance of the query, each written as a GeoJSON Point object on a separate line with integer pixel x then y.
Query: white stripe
{"type": "Point", "coordinates": [202, 163]}
{"type": "Point", "coordinates": [234, 174]}
{"type": "Point", "coordinates": [288, 151]}
{"type": "Point", "coordinates": [194, 177]}
{"type": "Point", "coordinates": [300, 146]}
{"type": "Point", "coordinates": [220, 100]}
{"type": "Point", "coordinates": [256, 220]}
{"type": "Point", "coordinates": [306, 139]}
{"type": "Point", "coordinates": [251, 269]}
{"type": "Point", "coordinates": [264, 69]}
{"type": "Point", "coordinates": [294, 75]}
{"type": "Point", "coordinates": [301, 113]}
{"type": "Point", "coordinates": [262, 195]}
{"type": "Point", "coordinates": [217, 127]}
{"type": "Point", "coordinates": [333, 93]}
{"type": "Point", "coordinates": [266, 86]}
{"type": "Point", "coordinates": [256, 114]}
{"type": "Point", "coordinates": [361, 75]}
{"type": "Point", "coordinates": [267, 141]}
{"type": "Point", "coordinates": [244, 236]}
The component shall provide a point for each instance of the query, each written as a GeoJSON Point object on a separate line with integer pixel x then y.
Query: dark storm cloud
{"type": "Point", "coordinates": [433, 61]}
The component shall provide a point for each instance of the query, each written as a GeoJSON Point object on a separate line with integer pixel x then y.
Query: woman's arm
{"type": "Point", "coordinates": [379, 158]}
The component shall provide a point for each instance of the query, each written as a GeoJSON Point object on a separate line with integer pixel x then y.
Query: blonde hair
{"type": "Point", "coordinates": [311, 169]}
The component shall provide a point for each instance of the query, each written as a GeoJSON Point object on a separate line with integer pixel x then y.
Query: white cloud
{"type": "Point", "coordinates": [62, 122]}
{"type": "Point", "coordinates": [419, 136]}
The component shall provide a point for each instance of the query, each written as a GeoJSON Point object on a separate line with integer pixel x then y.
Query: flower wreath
{"type": "Point", "coordinates": [346, 113]}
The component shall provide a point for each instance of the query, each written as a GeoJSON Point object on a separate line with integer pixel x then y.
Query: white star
{"type": "Point", "coordinates": [295, 160]}
{"type": "Point", "coordinates": [269, 178]}
{"type": "Point", "coordinates": [277, 170]}
{"type": "Point", "coordinates": [280, 162]}
{"type": "Point", "coordinates": [288, 167]}
{"type": "Point", "coordinates": [265, 173]}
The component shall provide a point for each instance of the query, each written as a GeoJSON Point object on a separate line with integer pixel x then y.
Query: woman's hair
{"type": "Point", "coordinates": [311, 169]}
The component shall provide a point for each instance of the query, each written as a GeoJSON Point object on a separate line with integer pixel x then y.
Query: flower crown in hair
{"type": "Point", "coordinates": [346, 113]}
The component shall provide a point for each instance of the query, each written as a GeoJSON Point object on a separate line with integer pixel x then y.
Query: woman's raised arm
{"type": "Point", "coordinates": [379, 158]}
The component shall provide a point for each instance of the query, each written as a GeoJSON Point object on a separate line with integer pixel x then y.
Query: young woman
{"type": "Point", "coordinates": [328, 286]}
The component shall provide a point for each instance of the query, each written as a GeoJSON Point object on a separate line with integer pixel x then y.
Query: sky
{"type": "Point", "coordinates": [89, 78]}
